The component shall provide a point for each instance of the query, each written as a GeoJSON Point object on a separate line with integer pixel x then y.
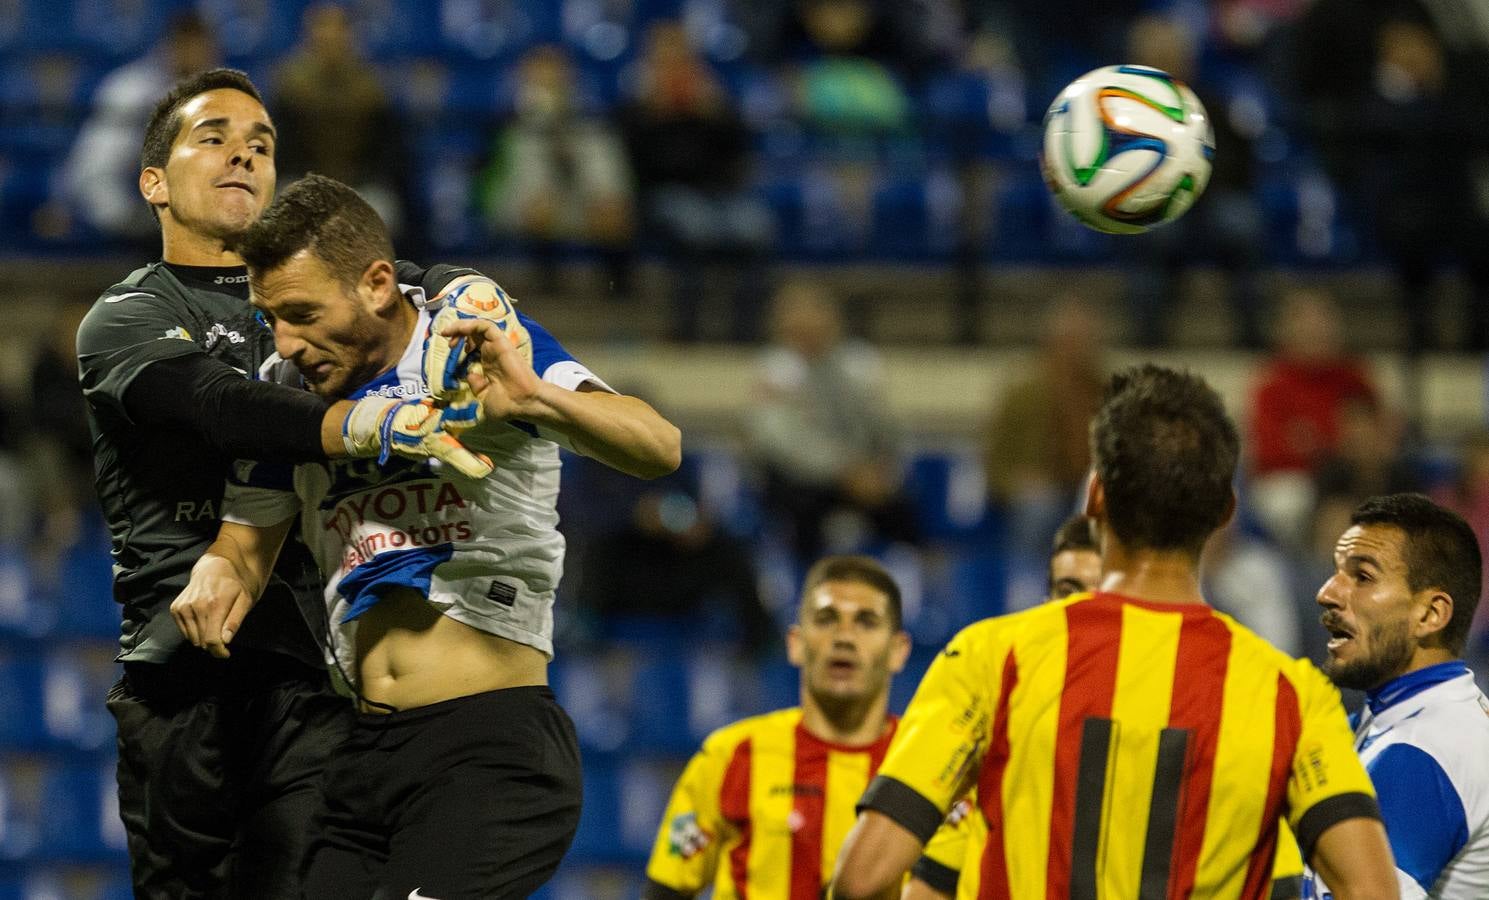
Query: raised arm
{"type": "Point", "coordinates": [622, 432]}
{"type": "Point", "coordinates": [226, 582]}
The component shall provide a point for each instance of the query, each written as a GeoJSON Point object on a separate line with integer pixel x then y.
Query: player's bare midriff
{"type": "Point", "coordinates": [410, 655]}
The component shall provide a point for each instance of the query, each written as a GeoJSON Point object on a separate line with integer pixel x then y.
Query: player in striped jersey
{"type": "Point", "coordinates": [761, 809]}
{"type": "Point", "coordinates": [1406, 582]}
{"type": "Point", "coordinates": [1131, 742]}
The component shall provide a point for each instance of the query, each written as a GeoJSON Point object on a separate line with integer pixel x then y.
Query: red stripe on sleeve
{"type": "Point", "coordinates": [734, 805]}
{"type": "Point", "coordinates": [1285, 736]}
{"type": "Point", "coordinates": [809, 790]}
{"type": "Point", "coordinates": [1198, 695]}
{"type": "Point", "coordinates": [990, 792]}
{"type": "Point", "coordinates": [1093, 635]}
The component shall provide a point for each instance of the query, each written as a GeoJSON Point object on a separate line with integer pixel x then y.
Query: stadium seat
{"type": "Point", "coordinates": [76, 679]}
{"type": "Point", "coordinates": [21, 803]}
{"type": "Point", "coordinates": [85, 600]}
{"type": "Point", "coordinates": [22, 722]}
{"type": "Point", "coordinates": [916, 218]}
{"type": "Point", "coordinates": [950, 494]}
{"type": "Point", "coordinates": [81, 822]}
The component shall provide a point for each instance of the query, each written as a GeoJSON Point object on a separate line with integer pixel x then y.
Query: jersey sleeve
{"type": "Point", "coordinates": [1424, 815]}
{"type": "Point", "coordinates": [940, 864]}
{"type": "Point", "coordinates": [685, 854]}
{"type": "Point", "coordinates": [939, 746]}
{"type": "Point", "coordinates": [124, 332]}
{"type": "Point", "coordinates": [259, 494]}
{"type": "Point", "coordinates": [1287, 866]}
{"type": "Point", "coordinates": [1328, 783]}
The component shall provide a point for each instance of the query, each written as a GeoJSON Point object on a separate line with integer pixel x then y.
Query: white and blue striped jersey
{"type": "Point", "coordinates": [1424, 739]}
{"type": "Point", "coordinates": [486, 552]}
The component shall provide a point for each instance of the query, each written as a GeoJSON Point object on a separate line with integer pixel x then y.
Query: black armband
{"type": "Point", "coordinates": [233, 415]}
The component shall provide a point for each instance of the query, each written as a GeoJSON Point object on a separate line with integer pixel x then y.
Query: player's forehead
{"type": "Point", "coordinates": [302, 279]}
{"type": "Point", "coordinates": [228, 107]}
{"type": "Point", "coordinates": [846, 598]}
{"type": "Point", "coordinates": [1376, 544]}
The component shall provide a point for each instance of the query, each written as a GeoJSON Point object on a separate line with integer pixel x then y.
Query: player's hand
{"type": "Point", "coordinates": [417, 429]}
{"type": "Point", "coordinates": [212, 607]}
{"type": "Point", "coordinates": [503, 380]}
{"type": "Point", "coordinates": [473, 298]}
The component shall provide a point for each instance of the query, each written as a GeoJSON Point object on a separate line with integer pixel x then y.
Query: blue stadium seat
{"type": "Point", "coordinates": [950, 494]}
{"type": "Point", "coordinates": [75, 680]}
{"type": "Point", "coordinates": [22, 708]}
{"type": "Point", "coordinates": [81, 824]}
{"type": "Point", "coordinates": [85, 600]}
{"type": "Point", "coordinates": [22, 781]}
{"type": "Point", "coordinates": [24, 614]}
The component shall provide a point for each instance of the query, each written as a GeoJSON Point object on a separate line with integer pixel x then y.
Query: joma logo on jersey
{"type": "Point", "coordinates": [230, 279]}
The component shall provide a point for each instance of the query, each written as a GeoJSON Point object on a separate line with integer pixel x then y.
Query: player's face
{"type": "Point", "coordinates": [1074, 572]}
{"type": "Point", "coordinates": [220, 174]}
{"type": "Point", "coordinates": [1368, 608]}
{"type": "Point", "coordinates": [846, 644]}
{"type": "Point", "coordinates": [329, 330]}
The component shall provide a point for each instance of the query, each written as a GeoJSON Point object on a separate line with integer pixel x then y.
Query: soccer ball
{"type": "Point", "coordinates": [1127, 148]}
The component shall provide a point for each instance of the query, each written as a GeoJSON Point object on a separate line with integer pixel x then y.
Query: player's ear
{"type": "Point", "coordinates": [899, 651]}
{"type": "Point", "coordinates": [795, 648]}
{"type": "Point", "coordinates": [1230, 509]}
{"type": "Point", "coordinates": [1095, 507]}
{"type": "Point", "coordinates": [379, 285]}
{"type": "Point", "coordinates": [152, 186]}
{"type": "Point", "coordinates": [1433, 615]}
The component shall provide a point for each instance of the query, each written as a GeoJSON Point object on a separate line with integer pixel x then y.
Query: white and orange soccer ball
{"type": "Point", "coordinates": [1127, 148]}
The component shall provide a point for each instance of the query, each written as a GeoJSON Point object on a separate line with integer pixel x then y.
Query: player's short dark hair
{"type": "Point", "coordinates": [327, 218]}
{"type": "Point", "coordinates": [861, 570]}
{"type": "Point", "coordinates": [1440, 551]}
{"type": "Point", "coordinates": [165, 120]}
{"type": "Point", "coordinates": [1078, 533]}
{"type": "Point", "coordinates": [1165, 451]}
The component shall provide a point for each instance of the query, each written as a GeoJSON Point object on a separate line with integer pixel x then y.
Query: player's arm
{"type": "Point", "coordinates": [934, 759]}
{"type": "Point", "coordinates": [1331, 805]}
{"type": "Point", "coordinates": [622, 432]}
{"type": "Point", "coordinates": [225, 583]}
{"type": "Point", "coordinates": [685, 855]}
{"type": "Point", "coordinates": [1354, 860]}
{"type": "Point", "coordinates": [935, 875]}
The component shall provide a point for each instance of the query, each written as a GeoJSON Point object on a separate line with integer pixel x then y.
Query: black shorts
{"type": "Point", "coordinates": [221, 764]}
{"type": "Point", "coordinates": [476, 797]}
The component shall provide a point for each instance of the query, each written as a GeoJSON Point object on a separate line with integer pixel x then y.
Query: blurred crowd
{"type": "Point", "coordinates": [722, 136]}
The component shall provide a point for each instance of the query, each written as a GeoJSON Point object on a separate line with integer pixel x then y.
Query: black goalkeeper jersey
{"type": "Point", "coordinates": [161, 489]}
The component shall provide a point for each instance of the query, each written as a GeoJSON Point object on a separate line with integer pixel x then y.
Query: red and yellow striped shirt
{"type": "Point", "coordinates": [760, 811]}
{"type": "Point", "coordinates": [1123, 748]}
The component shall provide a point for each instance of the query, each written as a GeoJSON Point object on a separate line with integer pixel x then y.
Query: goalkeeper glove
{"type": "Point", "coordinates": [445, 366]}
{"type": "Point", "coordinates": [418, 429]}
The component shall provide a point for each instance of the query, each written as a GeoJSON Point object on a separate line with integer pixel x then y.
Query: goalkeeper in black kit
{"type": "Point", "coordinates": [221, 761]}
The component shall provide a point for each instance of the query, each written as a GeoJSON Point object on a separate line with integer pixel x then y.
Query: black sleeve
{"type": "Point", "coordinates": [432, 279]}
{"type": "Point", "coordinates": [901, 803]}
{"type": "Point", "coordinates": [655, 890]}
{"type": "Point", "coordinates": [1327, 813]}
{"type": "Point", "coordinates": [240, 418]}
{"type": "Point", "coordinates": [941, 877]}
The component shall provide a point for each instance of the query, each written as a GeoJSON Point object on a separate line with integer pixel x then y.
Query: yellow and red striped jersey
{"type": "Point", "coordinates": [1122, 748]}
{"type": "Point", "coordinates": [941, 864]}
{"type": "Point", "coordinates": [760, 811]}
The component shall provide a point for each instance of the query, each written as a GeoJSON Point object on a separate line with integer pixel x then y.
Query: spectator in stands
{"type": "Point", "coordinates": [335, 119]}
{"type": "Point", "coordinates": [1035, 445]}
{"type": "Point", "coordinates": [558, 173]}
{"type": "Point", "coordinates": [1468, 496]}
{"type": "Point", "coordinates": [1295, 408]}
{"type": "Point", "coordinates": [672, 563]}
{"type": "Point", "coordinates": [1251, 580]}
{"type": "Point", "coordinates": [98, 184]}
{"type": "Point", "coordinates": [1227, 227]}
{"type": "Point", "coordinates": [1397, 113]}
{"type": "Point", "coordinates": [908, 36]}
{"type": "Point", "coordinates": [691, 154]}
{"type": "Point", "coordinates": [59, 470]}
{"type": "Point", "coordinates": [822, 432]}
{"type": "Point", "coordinates": [1368, 460]}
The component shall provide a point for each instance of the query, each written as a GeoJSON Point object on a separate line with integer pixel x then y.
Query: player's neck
{"type": "Point", "coordinates": [1160, 576]}
{"type": "Point", "coordinates": [855, 724]}
{"type": "Point", "coordinates": [188, 248]}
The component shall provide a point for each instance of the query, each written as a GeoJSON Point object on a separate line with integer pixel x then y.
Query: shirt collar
{"type": "Point", "coordinates": [1409, 685]}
